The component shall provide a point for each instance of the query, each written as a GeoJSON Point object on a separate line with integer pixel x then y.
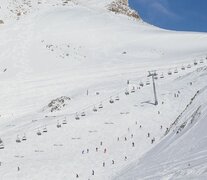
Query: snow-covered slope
{"type": "Point", "coordinates": [64, 58]}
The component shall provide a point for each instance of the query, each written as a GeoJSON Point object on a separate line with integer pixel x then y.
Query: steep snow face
{"type": "Point", "coordinates": [182, 152]}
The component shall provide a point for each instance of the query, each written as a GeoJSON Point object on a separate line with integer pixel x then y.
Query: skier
{"type": "Point", "coordinates": [132, 135]}
{"type": "Point", "coordinates": [93, 172]}
{"type": "Point", "coordinates": [140, 126]}
{"type": "Point", "coordinates": [133, 144]}
{"type": "Point", "coordinates": [105, 150]}
{"type": "Point", "coordinates": [112, 161]}
{"type": "Point", "coordinates": [136, 122]}
{"type": "Point", "coordinates": [18, 168]}
{"type": "Point", "coordinates": [101, 143]}
{"type": "Point", "coordinates": [83, 152]}
{"type": "Point", "coordinates": [148, 135]}
{"type": "Point", "coordinates": [87, 150]}
{"type": "Point", "coordinates": [125, 139]}
{"type": "Point", "coordinates": [77, 176]}
{"type": "Point", "coordinates": [161, 127]}
{"type": "Point", "coordinates": [118, 139]}
{"type": "Point", "coordinates": [96, 149]}
{"type": "Point", "coordinates": [103, 164]}
{"type": "Point", "coordinates": [125, 158]}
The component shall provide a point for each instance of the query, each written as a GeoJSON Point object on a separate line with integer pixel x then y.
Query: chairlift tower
{"type": "Point", "coordinates": [153, 74]}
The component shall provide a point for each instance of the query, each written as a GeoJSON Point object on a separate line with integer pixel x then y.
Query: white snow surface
{"type": "Point", "coordinates": [70, 50]}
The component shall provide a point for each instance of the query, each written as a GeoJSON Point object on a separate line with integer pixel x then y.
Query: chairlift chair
{"type": "Point", "coordinates": [77, 117]}
{"type": "Point", "coordinates": [18, 139]}
{"type": "Point", "coordinates": [126, 92]}
{"type": "Point", "coordinates": [133, 90]}
{"type": "Point", "coordinates": [117, 98]}
{"type": "Point", "coordinates": [201, 61]}
{"type": "Point", "coordinates": [100, 106]}
{"type": "Point", "coordinates": [155, 77]}
{"type": "Point", "coordinates": [195, 63]}
{"type": "Point", "coordinates": [44, 130]}
{"type": "Point", "coordinates": [141, 84]}
{"type": "Point", "coordinates": [39, 133]}
{"type": "Point", "coordinates": [176, 71]}
{"type": "Point", "coordinates": [94, 109]}
{"type": "Point", "coordinates": [1, 145]}
{"type": "Point", "coordinates": [183, 68]}
{"type": "Point", "coordinates": [24, 138]}
{"type": "Point", "coordinates": [111, 101]}
{"type": "Point", "coordinates": [83, 114]}
{"type": "Point", "coordinates": [189, 66]}
{"type": "Point", "coordinates": [58, 125]}
{"type": "Point", "coordinates": [148, 83]}
{"type": "Point", "coordinates": [162, 76]}
{"type": "Point", "coordinates": [169, 73]}
{"type": "Point", "coordinates": [64, 121]}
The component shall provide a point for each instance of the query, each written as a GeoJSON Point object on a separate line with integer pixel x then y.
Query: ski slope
{"type": "Point", "coordinates": [82, 51]}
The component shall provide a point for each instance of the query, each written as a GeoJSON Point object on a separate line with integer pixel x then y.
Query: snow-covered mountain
{"type": "Point", "coordinates": [66, 68]}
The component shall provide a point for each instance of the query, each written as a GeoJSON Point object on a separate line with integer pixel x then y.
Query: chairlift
{"type": "Point", "coordinates": [117, 98]}
{"type": "Point", "coordinates": [76, 116]}
{"type": "Point", "coordinates": [183, 68]}
{"type": "Point", "coordinates": [189, 66]}
{"type": "Point", "coordinates": [83, 114]}
{"type": "Point", "coordinates": [95, 109]}
{"type": "Point", "coordinates": [39, 133]}
{"type": "Point", "coordinates": [18, 139]}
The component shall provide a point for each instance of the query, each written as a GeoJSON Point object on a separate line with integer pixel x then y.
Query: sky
{"type": "Point", "coordinates": [181, 15]}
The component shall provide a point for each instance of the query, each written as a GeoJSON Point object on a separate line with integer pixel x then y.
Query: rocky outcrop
{"type": "Point", "coordinates": [122, 7]}
{"type": "Point", "coordinates": [57, 104]}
